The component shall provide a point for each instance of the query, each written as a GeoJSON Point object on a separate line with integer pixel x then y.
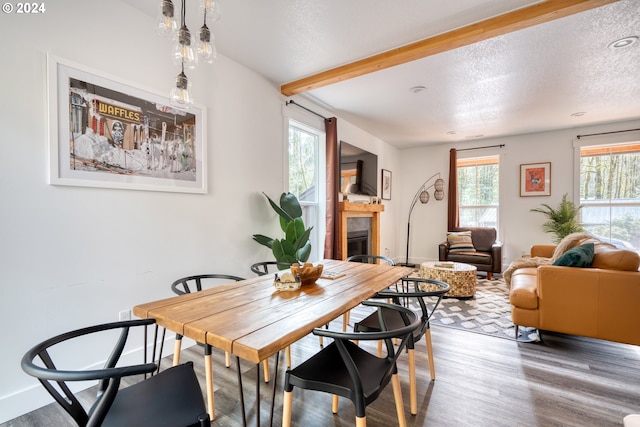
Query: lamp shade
{"type": "Point", "coordinates": [424, 196]}
{"type": "Point", "coordinates": [439, 184]}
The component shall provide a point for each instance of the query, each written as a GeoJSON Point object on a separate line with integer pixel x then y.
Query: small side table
{"type": "Point", "coordinates": [460, 277]}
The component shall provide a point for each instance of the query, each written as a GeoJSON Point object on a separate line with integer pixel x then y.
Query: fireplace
{"type": "Point", "coordinates": [358, 236]}
{"type": "Point", "coordinates": [359, 218]}
{"type": "Point", "coordinates": [357, 243]}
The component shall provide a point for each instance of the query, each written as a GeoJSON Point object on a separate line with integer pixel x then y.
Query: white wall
{"type": "Point", "coordinates": [72, 257]}
{"type": "Point", "coordinates": [519, 228]}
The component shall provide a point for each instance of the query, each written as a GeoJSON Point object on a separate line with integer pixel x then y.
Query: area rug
{"type": "Point", "coordinates": [489, 312]}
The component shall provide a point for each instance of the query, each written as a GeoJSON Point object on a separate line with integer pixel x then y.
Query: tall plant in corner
{"type": "Point", "coordinates": [561, 221]}
{"type": "Point", "coordinates": [296, 246]}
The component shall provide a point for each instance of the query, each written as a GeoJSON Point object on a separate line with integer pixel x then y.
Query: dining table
{"type": "Point", "coordinates": [253, 320]}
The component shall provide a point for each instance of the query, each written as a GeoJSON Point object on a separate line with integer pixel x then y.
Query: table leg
{"type": "Point", "coordinates": [244, 417]}
{"type": "Point", "coordinates": [208, 367]}
{"type": "Point", "coordinates": [258, 394]}
{"type": "Point", "coordinates": [273, 395]}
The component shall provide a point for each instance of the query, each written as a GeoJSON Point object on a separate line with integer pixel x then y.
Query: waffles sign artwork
{"type": "Point", "coordinates": [115, 133]}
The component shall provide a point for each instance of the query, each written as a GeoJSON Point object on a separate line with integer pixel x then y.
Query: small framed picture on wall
{"type": "Point", "coordinates": [535, 179]}
{"type": "Point", "coordinates": [386, 184]}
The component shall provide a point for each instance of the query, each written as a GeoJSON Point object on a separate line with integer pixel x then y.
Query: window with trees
{"type": "Point", "coordinates": [610, 192]}
{"type": "Point", "coordinates": [478, 191]}
{"type": "Point", "coordinates": [305, 178]}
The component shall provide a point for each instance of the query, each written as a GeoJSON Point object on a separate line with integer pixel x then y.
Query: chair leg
{"type": "Point", "coordinates": [432, 366]}
{"type": "Point", "coordinates": [227, 359]}
{"type": "Point", "coordinates": [288, 353]}
{"type": "Point", "coordinates": [345, 320]}
{"type": "Point", "coordinates": [286, 409]}
{"type": "Point", "coordinates": [334, 404]}
{"type": "Point", "coordinates": [267, 377]}
{"type": "Point", "coordinates": [489, 275]}
{"type": "Point", "coordinates": [361, 422]}
{"type": "Point", "coordinates": [208, 367]}
{"type": "Point", "coordinates": [380, 348]}
{"type": "Point", "coordinates": [176, 351]}
{"type": "Point", "coordinates": [397, 395]}
{"type": "Point", "coordinates": [413, 394]}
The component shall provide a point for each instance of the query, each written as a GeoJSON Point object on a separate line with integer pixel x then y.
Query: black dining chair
{"type": "Point", "coordinates": [426, 295]}
{"type": "Point", "coordinates": [370, 259]}
{"type": "Point", "coordinates": [268, 267]}
{"type": "Point", "coordinates": [197, 283]}
{"type": "Point", "coordinates": [169, 398]}
{"type": "Point", "coordinates": [344, 369]}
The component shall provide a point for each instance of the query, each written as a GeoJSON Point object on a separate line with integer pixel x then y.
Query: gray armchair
{"type": "Point", "coordinates": [488, 251]}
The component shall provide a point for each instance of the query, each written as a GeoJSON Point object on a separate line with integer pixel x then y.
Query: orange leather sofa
{"type": "Point", "coordinates": [602, 301]}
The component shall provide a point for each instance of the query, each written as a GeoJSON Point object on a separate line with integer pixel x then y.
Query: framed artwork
{"type": "Point", "coordinates": [386, 184]}
{"type": "Point", "coordinates": [107, 133]}
{"type": "Point", "coordinates": [535, 179]}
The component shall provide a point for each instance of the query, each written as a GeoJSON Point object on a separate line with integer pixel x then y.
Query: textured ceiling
{"type": "Point", "coordinates": [527, 81]}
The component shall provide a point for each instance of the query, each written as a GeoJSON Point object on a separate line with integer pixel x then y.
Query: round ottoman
{"type": "Point", "coordinates": [460, 277]}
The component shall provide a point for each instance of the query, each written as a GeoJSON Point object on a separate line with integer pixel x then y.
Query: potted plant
{"type": "Point", "coordinates": [295, 247]}
{"type": "Point", "coordinates": [563, 220]}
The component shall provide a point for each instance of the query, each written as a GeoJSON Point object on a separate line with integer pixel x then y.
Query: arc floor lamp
{"type": "Point", "coordinates": [423, 195]}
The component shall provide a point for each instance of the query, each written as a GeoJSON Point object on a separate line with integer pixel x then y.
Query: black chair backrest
{"type": "Point", "coordinates": [371, 259]}
{"type": "Point", "coordinates": [190, 284]}
{"type": "Point", "coordinates": [55, 380]}
{"type": "Point", "coordinates": [403, 334]}
{"type": "Point", "coordinates": [419, 288]}
{"type": "Point", "coordinates": [262, 268]}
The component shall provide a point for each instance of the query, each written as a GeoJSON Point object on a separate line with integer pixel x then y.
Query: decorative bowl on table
{"type": "Point", "coordinates": [308, 272]}
{"type": "Point", "coordinates": [287, 282]}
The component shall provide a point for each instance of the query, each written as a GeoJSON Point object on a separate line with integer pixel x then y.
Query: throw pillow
{"type": "Point", "coordinates": [460, 241]}
{"type": "Point", "coordinates": [580, 256]}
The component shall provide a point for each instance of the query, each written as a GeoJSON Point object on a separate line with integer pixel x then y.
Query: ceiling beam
{"type": "Point", "coordinates": [493, 27]}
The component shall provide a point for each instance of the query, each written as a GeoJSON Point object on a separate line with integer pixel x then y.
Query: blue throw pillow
{"type": "Point", "coordinates": [580, 256]}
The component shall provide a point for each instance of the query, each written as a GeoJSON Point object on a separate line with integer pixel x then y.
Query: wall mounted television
{"type": "Point", "coordinates": [358, 170]}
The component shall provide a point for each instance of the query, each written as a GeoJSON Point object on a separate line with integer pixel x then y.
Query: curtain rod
{"type": "Point", "coordinates": [486, 146]}
{"type": "Point", "coordinates": [606, 133]}
{"type": "Point", "coordinates": [305, 108]}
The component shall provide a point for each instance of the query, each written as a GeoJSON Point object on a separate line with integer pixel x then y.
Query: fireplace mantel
{"type": "Point", "coordinates": [360, 210]}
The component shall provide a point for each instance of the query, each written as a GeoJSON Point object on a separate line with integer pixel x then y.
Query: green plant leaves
{"type": "Point", "coordinates": [562, 220]}
{"type": "Point", "coordinates": [289, 203]}
{"type": "Point", "coordinates": [304, 252]}
{"type": "Point", "coordinates": [263, 240]}
{"type": "Point", "coordinates": [296, 246]}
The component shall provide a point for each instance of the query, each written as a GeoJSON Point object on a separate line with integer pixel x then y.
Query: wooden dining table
{"type": "Point", "coordinates": [253, 320]}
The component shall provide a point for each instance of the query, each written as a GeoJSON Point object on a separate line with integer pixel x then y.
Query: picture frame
{"type": "Point", "coordinates": [535, 179]}
{"type": "Point", "coordinates": [108, 133]}
{"type": "Point", "coordinates": [385, 184]}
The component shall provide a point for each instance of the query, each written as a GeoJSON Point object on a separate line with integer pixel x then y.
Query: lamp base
{"type": "Point", "coordinates": [405, 264]}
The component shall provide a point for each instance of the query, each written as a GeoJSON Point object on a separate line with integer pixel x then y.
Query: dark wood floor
{"type": "Point", "coordinates": [481, 381]}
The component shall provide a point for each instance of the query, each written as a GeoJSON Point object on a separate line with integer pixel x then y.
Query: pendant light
{"type": "Point", "coordinates": [183, 52]}
{"type": "Point", "coordinates": [206, 50]}
{"type": "Point", "coordinates": [211, 8]}
{"type": "Point", "coordinates": [180, 95]}
{"type": "Point", "coordinates": [167, 25]}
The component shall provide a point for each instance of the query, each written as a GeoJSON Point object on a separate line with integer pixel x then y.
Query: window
{"type": "Point", "coordinates": [610, 192]}
{"type": "Point", "coordinates": [306, 180]}
{"type": "Point", "coordinates": [478, 191]}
